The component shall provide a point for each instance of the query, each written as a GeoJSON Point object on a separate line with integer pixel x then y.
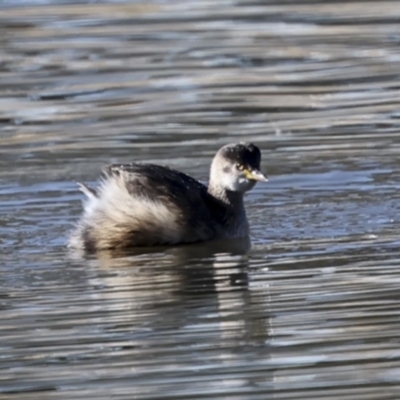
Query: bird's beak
{"type": "Point", "coordinates": [256, 175]}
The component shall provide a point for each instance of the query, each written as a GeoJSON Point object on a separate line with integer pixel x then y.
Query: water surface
{"type": "Point", "coordinates": [312, 311]}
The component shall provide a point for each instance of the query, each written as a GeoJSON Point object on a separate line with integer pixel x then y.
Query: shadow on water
{"type": "Point", "coordinates": [194, 266]}
{"type": "Point", "coordinates": [188, 257]}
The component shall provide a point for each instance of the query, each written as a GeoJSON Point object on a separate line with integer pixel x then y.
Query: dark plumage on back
{"type": "Point", "coordinates": [154, 180]}
{"type": "Point", "coordinates": [148, 204]}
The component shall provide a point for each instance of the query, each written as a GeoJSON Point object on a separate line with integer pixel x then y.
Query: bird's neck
{"type": "Point", "coordinates": [234, 199]}
{"type": "Point", "coordinates": [235, 219]}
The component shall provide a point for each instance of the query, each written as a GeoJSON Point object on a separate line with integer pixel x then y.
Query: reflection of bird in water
{"type": "Point", "coordinates": [147, 204]}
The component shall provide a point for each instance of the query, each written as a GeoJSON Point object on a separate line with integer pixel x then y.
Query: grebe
{"type": "Point", "coordinates": [147, 204]}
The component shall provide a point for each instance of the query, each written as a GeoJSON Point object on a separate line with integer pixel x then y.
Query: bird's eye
{"type": "Point", "coordinates": [240, 167]}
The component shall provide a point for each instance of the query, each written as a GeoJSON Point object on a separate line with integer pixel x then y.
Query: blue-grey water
{"type": "Point", "coordinates": [312, 311]}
